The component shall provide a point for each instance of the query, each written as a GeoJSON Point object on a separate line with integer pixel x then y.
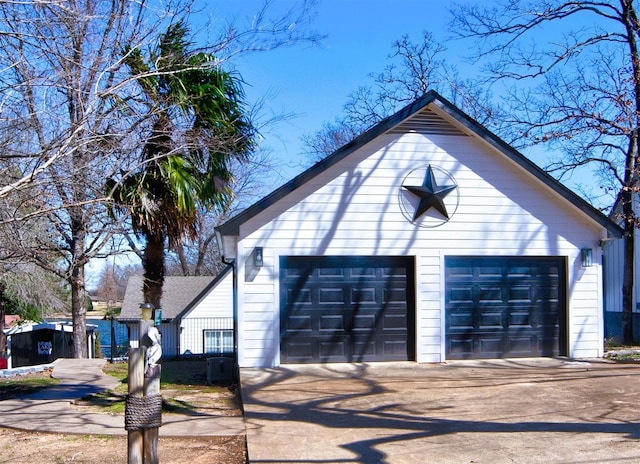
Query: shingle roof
{"type": "Point", "coordinates": [179, 294]}
{"type": "Point", "coordinates": [430, 105]}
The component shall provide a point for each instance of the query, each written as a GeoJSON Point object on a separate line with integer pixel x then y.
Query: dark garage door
{"type": "Point", "coordinates": [505, 307]}
{"type": "Point", "coordinates": [346, 309]}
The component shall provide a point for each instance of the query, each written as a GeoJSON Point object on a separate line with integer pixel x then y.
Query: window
{"type": "Point", "coordinates": [218, 341]}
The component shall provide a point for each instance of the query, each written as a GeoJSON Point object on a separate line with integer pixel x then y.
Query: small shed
{"type": "Point", "coordinates": [43, 343]}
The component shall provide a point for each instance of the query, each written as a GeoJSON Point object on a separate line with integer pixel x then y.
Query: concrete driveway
{"type": "Point", "coordinates": [490, 412]}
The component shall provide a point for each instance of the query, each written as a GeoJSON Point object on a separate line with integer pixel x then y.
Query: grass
{"type": "Point", "coordinates": [625, 355]}
{"type": "Point", "coordinates": [618, 352]}
{"type": "Point", "coordinates": [176, 375]}
{"type": "Point", "coordinates": [15, 387]}
{"type": "Point", "coordinates": [179, 378]}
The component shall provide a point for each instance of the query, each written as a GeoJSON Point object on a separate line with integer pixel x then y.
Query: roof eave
{"type": "Point", "coordinates": [514, 155]}
{"type": "Point", "coordinates": [198, 298]}
{"type": "Point", "coordinates": [232, 227]}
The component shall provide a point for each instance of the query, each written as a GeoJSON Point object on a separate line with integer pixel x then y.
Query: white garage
{"type": "Point", "coordinates": [425, 239]}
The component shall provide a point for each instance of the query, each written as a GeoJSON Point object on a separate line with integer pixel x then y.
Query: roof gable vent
{"type": "Point", "coordinates": [426, 122]}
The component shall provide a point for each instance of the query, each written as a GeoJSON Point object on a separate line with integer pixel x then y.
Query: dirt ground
{"type": "Point", "coordinates": [18, 446]}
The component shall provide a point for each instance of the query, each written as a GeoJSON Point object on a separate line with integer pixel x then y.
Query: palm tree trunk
{"type": "Point", "coordinates": [153, 264]}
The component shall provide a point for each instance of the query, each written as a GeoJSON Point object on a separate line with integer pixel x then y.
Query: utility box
{"type": "Point", "coordinates": [219, 369]}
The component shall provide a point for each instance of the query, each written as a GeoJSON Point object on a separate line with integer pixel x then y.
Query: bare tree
{"type": "Point", "coordinates": [413, 69]}
{"type": "Point", "coordinates": [60, 62]}
{"type": "Point", "coordinates": [64, 88]}
{"type": "Point", "coordinates": [112, 280]}
{"type": "Point", "coordinates": [571, 71]}
{"type": "Point", "coordinates": [23, 280]}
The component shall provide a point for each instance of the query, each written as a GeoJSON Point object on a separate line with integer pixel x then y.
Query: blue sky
{"type": "Point", "coordinates": [313, 82]}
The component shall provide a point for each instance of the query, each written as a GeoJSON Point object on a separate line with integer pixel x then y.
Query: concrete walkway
{"type": "Point", "coordinates": [50, 410]}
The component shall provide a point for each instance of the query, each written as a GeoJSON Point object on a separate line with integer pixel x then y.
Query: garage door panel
{"type": "Point", "coordinates": [363, 296]}
{"type": "Point", "coordinates": [520, 294]}
{"type": "Point", "coordinates": [302, 296]}
{"type": "Point", "coordinates": [492, 345]}
{"type": "Point", "coordinates": [299, 350]}
{"type": "Point", "coordinates": [299, 324]}
{"type": "Point", "coordinates": [460, 294]}
{"type": "Point", "coordinates": [364, 322]}
{"type": "Point", "coordinates": [394, 322]}
{"type": "Point", "coordinates": [394, 350]}
{"type": "Point", "coordinates": [359, 309]}
{"type": "Point", "coordinates": [490, 295]}
{"type": "Point", "coordinates": [504, 307]}
{"type": "Point", "coordinates": [329, 351]}
{"type": "Point", "coordinates": [548, 319]}
{"type": "Point", "coordinates": [333, 323]}
{"type": "Point", "coordinates": [331, 296]}
{"type": "Point", "coordinates": [460, 272]}
{"type": "Point", "coordinates": [549, 293]}
{"type": "Point", "coordinates": [396, 296]}
{"type": "Point", "coordinates": [522, 345]}
{"type": "Point", "coordinates": [520, 319]}
{"type": "Point", "coordinates": [461, 321]}
{"type": "Point", "coordinates": [491, 319]}
{"type": "Point", "coordinates": [487, 272]}
{"type": "Point", "coordinates": [362, 273]}
{"type": "Point", "coordinates": [458, 346]}
{"type": "Point", "coordinates": [364, 350]}
{"type": "Point", "coordinates": [331, 273]}
{"type": "Point", "coordinates": [518, 271]}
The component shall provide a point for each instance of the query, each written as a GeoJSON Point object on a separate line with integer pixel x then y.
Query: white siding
{"type": "Point", "coordinates": [614, 271]}
{"type": "Point", "coordinates": [353, 209]}
{"type": "Point", "coordinates": [614, 267]}
{"type": "Point", "coordinates": [218, 303]}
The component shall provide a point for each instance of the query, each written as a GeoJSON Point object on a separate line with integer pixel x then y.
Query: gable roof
{"type": "Point", "coordinates": [422, 116]}
{"type": "Point", "coordinates": [180, 295]}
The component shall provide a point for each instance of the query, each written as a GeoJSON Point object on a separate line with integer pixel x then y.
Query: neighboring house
{"type": "Point", "coordinates": [197, 314]}
{"type": "Point", "coordinates": [426, 239]}
{"type": "Point", "coordinates": [613, 265]}
{"type": "Point", "coordinates": [42, 343]}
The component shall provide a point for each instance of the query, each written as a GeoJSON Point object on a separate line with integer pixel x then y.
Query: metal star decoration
{"type": "Point", "coordinates": [431, 195]}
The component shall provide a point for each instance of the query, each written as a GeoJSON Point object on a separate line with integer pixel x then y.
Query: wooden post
{"type": "Point", "coordinates": [135, 438]}
{"type": "Point", "coordinates": [151, 387]}
{"type": "Point", "coordinates": [144, 381]}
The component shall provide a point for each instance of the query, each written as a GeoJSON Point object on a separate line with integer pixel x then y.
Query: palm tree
{"type": "Point", "coordinates": [197, 124]}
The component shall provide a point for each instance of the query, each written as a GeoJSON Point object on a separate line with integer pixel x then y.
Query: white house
{"type": "Point", "coordinates": [197, 314]}
{"type": "Point", "coordinates": [427, 238]}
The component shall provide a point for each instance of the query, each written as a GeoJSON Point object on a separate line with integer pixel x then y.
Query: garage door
{"type": "Point", "coordinates": [346, 309]}
{"type": "Point", "coordinates": [505, 307]}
